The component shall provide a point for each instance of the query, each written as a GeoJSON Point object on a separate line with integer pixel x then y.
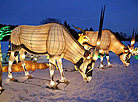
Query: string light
{"type": "Point", "coordinates": [5, 31]}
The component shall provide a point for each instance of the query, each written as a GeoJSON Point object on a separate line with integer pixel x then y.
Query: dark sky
{"type": "Point", "coordinates": [120, 15]}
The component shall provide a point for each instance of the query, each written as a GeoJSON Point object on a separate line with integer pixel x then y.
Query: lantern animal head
{"type": "Point", "coordinates": [85, 67]}
{"type": "Point", "coordinates": [83, 38]}
{"type": "Point", "coordinates": [128, 51]}
{"type": "Point", "coordinates": [125, 57]}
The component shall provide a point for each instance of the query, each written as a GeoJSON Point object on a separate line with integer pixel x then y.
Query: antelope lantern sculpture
{"type": "Point", "coordinates": [51, 39]}
{"type": "Point", "coordinates": [109, 42]}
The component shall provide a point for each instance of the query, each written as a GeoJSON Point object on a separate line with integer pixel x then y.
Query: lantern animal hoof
{"type": "Point", "coordinates": [63, 81]}
{"type": "Point", "coordinates": [30, 77]}
{"type": "Point", "coordinates": [101, 66]}
{"type": "Point", "coordinates": [13, 79]}
{"type": "Point", "coordinates": [53, 85]}
{"type": "Point", "coordinates": [66, 81]}
{"type": "Point", "coordinates": [110, 66]}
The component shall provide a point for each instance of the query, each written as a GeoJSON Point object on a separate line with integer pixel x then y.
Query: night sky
{"type": "Point", "coordinates": [120, 15]}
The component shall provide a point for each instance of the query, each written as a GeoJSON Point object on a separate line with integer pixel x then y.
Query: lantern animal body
{"type": "Point", "coordinates": [109, 42]}
{"type": "Point", "coordinates": [51, 39]}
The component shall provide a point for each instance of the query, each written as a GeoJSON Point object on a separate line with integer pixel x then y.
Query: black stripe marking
{"type": "Point", "coordinates": [78, 64]}
{"type": "Point", "coordinates": [16, 53]}
{"type": "Point", "coordinates": [120, 54]}
{"type": "Point", "coordinates": [107, 54]}
{"type": "Point", "coordinates": [88, 44]}
{"type": "Point", "coordinates": [101, 54]}
{"type": "Point", "coordinates": [23, 46]}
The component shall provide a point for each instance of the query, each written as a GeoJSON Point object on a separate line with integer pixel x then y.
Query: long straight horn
{"type": "Point", "coordinates": [101, 23]}
{"type": "Point", "coordinates": [99, 33]}
{"type": "Point", "coordinates": [133, 40]}
{"type": "Point", "coordinates": [79, 29]}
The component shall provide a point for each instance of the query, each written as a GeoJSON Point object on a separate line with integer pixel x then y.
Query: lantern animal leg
{"type": "Point", "coordinates": [101, 57]}
{"type": "Point", "coordinates": [107, 57]}
{"type": "Point", "coordinates": [89, 70]}
{"type": "Point", "coordinates": [11, 59]}
{"type": "Point", "coordinates": [16, 59]}
{"type": "Point", "coordinates": [51, 70]}
{"type": "Point", "coordinates": [22, 58]}
{"type": "Point", "coordinates": [59, 61]}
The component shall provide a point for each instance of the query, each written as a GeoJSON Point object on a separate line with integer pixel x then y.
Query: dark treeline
{"type": "Point", "coordinates": [121, 36]}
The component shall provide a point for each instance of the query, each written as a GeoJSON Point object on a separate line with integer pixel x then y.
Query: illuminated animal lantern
{"type": "Point", "coordinates": [109, 42]}
{"type": "Point", "coordinates": [54, 40]}
{"type": "Point", "coordinates": [51, 39]}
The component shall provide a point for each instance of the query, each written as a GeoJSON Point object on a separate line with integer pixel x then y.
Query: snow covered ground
{"type": "Point", "coordinates": [117, 84]}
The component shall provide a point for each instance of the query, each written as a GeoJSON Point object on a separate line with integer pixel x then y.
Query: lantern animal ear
{"type": "Point", "coordinates": [87, 53]}
{"type": "Point", "coordinates": [79, 34]}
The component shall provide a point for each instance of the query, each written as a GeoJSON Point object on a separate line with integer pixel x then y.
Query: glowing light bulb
{"type": "Point", "coordinates": [0, 88]}
{"type": "Point", "coordinates": [101, 65]}
{"type": "Point", "coordinates": [52, 83]}
{"type": "Point", "coordinates": [10, 76]}
{"type": "Point", "coordinates": [88, 57]}
{"type": "Point", "coordinates": [109, 63]}
{"type": "Point", "coordinates": [95, 58]}
{"type": "Point", "coordinates": [132, 42]}
{"type": "Point", "coordinates": [98, 43]}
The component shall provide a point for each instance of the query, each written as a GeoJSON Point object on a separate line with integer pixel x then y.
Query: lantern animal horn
{"type": "Point", "coordinates": [133, 40]}
{"type": "Point", "coordinates": [79, 29]}
{"type": "Point", "coordinates": [99, 33]}
{"type": "Point", "coordinates": [101, 24]}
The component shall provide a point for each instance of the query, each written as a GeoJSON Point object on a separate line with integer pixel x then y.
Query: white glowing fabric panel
{"type": "Point", "coordinates": [105, 39]}
{"type": "Point", "coordinates": [73, 50]}
{"type": "Point", "coordinates": [108, 41]}
{"type": "Point", "coordinates": [116, 46]}
{"type": "Point", "coordinates": [56, 40]}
